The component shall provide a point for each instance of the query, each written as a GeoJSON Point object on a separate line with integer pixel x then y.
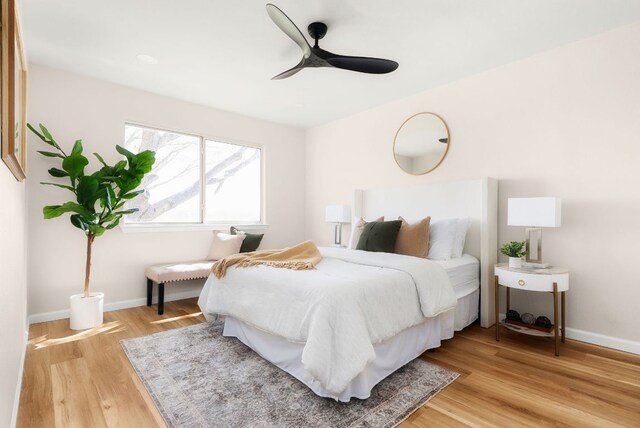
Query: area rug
{"type": "Point", "coordinates": [199, 378]}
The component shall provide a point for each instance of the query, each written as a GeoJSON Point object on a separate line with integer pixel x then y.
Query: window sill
{"type": "Point", "coordinates": [189, 227]}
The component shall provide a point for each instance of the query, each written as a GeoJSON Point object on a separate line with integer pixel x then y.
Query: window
{"type": "Point", "coordinates": [195, 180]}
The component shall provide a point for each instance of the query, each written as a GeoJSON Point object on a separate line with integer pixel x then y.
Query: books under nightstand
{"type": "Point", "coordinates": [552, 280]}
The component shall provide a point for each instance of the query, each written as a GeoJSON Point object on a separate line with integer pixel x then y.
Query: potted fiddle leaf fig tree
{"type": "Point", "coordinates": [97, 205]}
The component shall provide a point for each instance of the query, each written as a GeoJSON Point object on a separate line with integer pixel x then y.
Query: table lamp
{"type": "Point", "coordinates": [338, 215]}
{"type": "Point", "coordinates": [534, 213]}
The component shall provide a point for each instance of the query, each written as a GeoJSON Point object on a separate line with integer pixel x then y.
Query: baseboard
{"type": "Point", "coordinates": [113, 306]}
{"type": "Point", "coordinates": [16, 397]}
{"type": "Point", "coordinates": [601, 340]}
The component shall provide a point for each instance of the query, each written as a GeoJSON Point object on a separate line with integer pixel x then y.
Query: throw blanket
{"type": "Point", "coordinates": [299, 257]}
{"type": "Point", "coordinates": [339, 310]}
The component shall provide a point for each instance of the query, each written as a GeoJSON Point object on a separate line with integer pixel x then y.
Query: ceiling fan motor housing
{"type": "Point", "coordinates": [317, 30]}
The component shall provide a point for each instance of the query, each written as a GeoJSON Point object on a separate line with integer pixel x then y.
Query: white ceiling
{"type": "Point", "coordinates": [223, 53]}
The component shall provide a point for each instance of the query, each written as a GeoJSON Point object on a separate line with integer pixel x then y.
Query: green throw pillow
{"type": "Point", "coordinates": [379, 236]}
{"type": "Point", "coordinates": [251, 240]}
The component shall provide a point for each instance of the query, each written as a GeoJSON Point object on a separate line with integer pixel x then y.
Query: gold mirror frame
{"type": "Point", "coordinates": [14, 96]}
{"type": "Point", "coordinates": [395, 140]}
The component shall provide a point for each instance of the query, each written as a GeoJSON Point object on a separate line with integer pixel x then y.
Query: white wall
{"type": "Point", "coordinates": [562, 123]}
{"type": "Point", "coordinates": [76, 107]}
{"type": "Point", "coordinates": [13, 283]}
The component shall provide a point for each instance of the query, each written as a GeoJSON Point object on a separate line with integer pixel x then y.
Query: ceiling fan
{"type": "Point", "coordinates": [316, 57]}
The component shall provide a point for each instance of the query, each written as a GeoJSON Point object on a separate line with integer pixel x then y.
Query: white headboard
{"type": "Point", "coordinates": [477, 199]}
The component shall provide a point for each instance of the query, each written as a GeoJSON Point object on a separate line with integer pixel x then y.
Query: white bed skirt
{"type": "Point", "coordinates": [390, 354]}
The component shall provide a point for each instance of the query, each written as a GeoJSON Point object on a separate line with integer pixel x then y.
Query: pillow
{"type": "Point", "coordinates": [356, 230]}
{"type": "Point", "coordinates": [251, 241]}
{"type": "Point", "coordinates": [462, 226]}
{"type": "Point", "coordinates": [379, 236]}
{"type": "Point", "coordinates": [411, 238]}
{"type": "Point", "coordinates": [225, 245]}
{"type": "Point", "coordinates": [442, 234]}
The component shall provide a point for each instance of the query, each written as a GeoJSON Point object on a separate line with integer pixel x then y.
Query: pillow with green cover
{"type": "Point", "coordinates": [379, 236]}
{"type": "Point", "coordinates": [251, 241]}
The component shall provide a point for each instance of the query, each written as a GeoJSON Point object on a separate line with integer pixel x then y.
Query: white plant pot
{"type": "Point", "coordinates": [515, 262]}
{"type": "Point", "coordinates": [86, 312]}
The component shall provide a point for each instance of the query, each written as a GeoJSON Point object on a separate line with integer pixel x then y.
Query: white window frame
{"type": "Point", "coordinates": [203, 224]}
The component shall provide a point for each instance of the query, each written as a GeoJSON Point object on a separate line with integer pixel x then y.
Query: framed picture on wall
{"type": "Point", "coordinates": [14, 92]}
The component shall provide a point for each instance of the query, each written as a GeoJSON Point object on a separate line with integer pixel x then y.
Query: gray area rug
{"type": "Point", "coordinates": [199, 378]}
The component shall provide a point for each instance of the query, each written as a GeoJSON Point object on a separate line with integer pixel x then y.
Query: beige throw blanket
{"type": "Point", "coordinates": [299, 257]}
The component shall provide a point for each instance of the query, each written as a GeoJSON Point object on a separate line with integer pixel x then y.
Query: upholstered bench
{"type": "Point", "coordinates": [173, 272]}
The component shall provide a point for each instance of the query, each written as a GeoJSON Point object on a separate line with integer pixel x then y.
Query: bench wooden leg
{"type": "Point", "coordinates": [161, 298]}
{"type": "Point", "coordinates": [149, 292]}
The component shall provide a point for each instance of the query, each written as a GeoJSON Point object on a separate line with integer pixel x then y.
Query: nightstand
{"type": "Point", "coordinates": [552, 280]}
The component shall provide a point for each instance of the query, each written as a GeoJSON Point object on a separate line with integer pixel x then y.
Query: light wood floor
{"type": "Point", "coordinates": [83, 379]}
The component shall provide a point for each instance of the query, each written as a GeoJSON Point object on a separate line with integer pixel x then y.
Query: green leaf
{"type": "Point", "coordinates": [87, 191]}
{"type": "Point", "coordinates": [96, 229]}
{"type": "Point", "coordinates": [108, 192]}
{"type": "Point", "coordinates": [41, 136]}
{"type": "Point", "coordinates": [143, 161]}
{"type": "Point", "coordinates": [114, 223]}
{"type": "Point", "coordinates": [46, 132]}
{"type": "Point", "coordinates": [56, 172]}
{"type": "Point", "coordinates": [129, 211]}
{"type": "Point", "coordinates": [62, 186]}
{"type": "Point", "coordinates": [52, 211]}
{"type": "Point", "coordinates": [101, 160]}
{"type": "Point", "coordinates": [132, 195]}
{"type": "Point", "coordinates": [74, 164]}
{"type": "Point", "coordinates": [50, 154]}
{"type": "Point", "coordinates": [77, 221]}
{"type": "Point", "coordinates": [77, 148]}
{"type": "Point", "coordinates": [126, 153]}
{"type": "Point", "coordinates": [35, 131]}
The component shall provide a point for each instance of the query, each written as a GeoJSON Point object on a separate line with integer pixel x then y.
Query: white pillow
{"type": "Point", "coordinates": [462, 226]}
{"type": "Point", "coordinates": [356, 230]}
{"type": "Point", "coordinates": [225, 245]}
{"type": "Point", "coordinates": [442, 235]}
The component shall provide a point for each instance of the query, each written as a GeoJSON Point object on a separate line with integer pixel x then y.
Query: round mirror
{"type": "Point", "coordinates": [421, 143]}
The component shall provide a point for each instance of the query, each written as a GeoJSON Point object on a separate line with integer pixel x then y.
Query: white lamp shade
{"type": "Point", "coordinates": [338, 214]}
{"type": "Point", "coordinates": [534, 212]}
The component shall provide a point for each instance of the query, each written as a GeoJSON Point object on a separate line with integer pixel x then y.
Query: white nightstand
{"type": "Point", "coordinates": [553, 280]}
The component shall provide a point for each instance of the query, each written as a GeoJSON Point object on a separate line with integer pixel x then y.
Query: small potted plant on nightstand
{"type": "Point", "coordinates": [515, 251]}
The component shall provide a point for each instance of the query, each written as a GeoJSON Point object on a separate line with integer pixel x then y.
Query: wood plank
{"type": "Point", "coordinates": [75, 399]}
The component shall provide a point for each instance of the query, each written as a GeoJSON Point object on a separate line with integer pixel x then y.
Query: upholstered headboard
{"type": "Point", "coordinates": [476, 199]}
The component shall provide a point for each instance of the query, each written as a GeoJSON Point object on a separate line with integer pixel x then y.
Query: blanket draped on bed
{"type": "Point", "coordinates": [299, 257]}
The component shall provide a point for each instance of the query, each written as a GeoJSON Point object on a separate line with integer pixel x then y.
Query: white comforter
{"type": "Point", "coordinates": [352, 300]}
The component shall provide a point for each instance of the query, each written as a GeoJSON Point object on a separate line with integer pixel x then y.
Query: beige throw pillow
{"type": "Point", "coordinates": [225, 245]}
{"type": "Point", "coordinates": [356, 230]}
{"type": "Point", "coordinates": [413, 239]}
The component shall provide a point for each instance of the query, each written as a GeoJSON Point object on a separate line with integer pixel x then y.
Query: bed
{"type": "Point", "coordinates": [346, 325]}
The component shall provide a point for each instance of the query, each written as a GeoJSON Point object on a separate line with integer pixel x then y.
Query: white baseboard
{"type": "Point", "coordinates": [601, 340]}
{"type": "Point", "coordinates": [16, 397]}
{"type": "Point", "coordinates": [113, 306]}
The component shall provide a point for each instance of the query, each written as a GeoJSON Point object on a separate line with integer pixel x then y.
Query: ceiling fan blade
{"type": "Point", "coordinates": [289, 72]}
{"type": "Point", "coordinates": [362, 64]}
{"type": "Point", "coordinates": [289, 28]}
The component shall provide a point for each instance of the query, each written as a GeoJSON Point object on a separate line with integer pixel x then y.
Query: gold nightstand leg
{"type": "Point", "coordinates": [564, 322]}
{"type": "Point", "coordinates": [497, 306]}
{"type": "Point", "coordinates": [555, 318]}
